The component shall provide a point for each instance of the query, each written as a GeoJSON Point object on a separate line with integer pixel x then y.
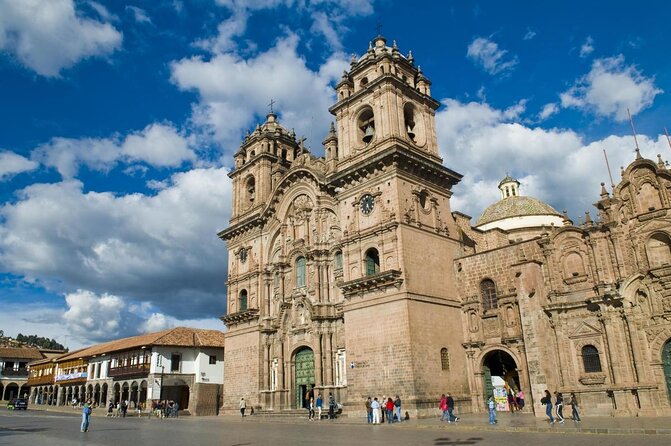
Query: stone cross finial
{"type": "Point", "coordinates": [272, 102]}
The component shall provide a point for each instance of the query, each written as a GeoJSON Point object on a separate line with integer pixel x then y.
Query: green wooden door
{"type": "Point", "coordinates": [666, 360]}
{"type": "Point", "coordinates": [305, 375]}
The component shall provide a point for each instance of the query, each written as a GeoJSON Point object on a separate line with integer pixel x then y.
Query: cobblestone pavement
{"type": "Point", "coordinates": [62, 429]}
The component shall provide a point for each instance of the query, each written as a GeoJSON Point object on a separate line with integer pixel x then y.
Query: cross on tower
{"type": "Point", "coordinates": [272, 102]}
{"type": "Point", "coordinates": [378, 28]}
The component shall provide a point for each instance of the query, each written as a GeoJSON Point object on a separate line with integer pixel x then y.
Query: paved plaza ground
{"type": "Point", "coordinates": [61, 428]}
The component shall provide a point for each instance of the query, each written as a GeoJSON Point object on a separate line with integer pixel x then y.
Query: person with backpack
{"type": "Point", "coordinates": [86, 415]}
{"type": "Point", "coordinates": [547, 402]}
{"type": "Point", "coordinates": [397, 407]}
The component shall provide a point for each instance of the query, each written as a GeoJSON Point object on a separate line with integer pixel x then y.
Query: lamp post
{"type": "Point", "coordinates": [159, 363]}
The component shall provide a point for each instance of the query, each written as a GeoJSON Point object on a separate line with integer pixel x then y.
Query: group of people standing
{"type": "Point", "coordinates": [559, 406]}
{"type": "Point", "coordinates": [446, 406]}
{"type": "Point", "coordinates": [315, 404]}
{"type": "Point", "coordinates": [387, 408]}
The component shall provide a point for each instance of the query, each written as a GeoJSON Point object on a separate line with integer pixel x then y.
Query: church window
{"type": "Point", "coordinates": [337, 260]}
{"type": "Point", "coordinates": [175, 360]}
{"type": "Point", "coordinates": [372, 262]}
{"type": "Point", "coordinates": [659, 250]}
{"type": "Point", "coordinates": [590, 359]}
{"type": "Point", "coordinates": [364, 81]}
{"type": "Point", "coordinates": [300, 272]}
{"type": "Point", "coordinates": [488, 291]}
{"type": "Point", "coordinates": [243, 300]}
{"type": "Point", "coordinates": [444, 359]}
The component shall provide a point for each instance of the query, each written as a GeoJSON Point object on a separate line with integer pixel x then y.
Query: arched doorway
{"type": "Point", "coordinates": [103, 395]}
{"type": "Point", "coordinates": [11, 391]}
{"type": "Point", "coordinates": [666, 363]}
{"type": "Point", "coordinates": [500, 377]}
{"type": "Point", "coordinates": [304, 366]}
{"type": "Point", "coordinates": [117, 393]}
{"type": "Point", "coordinates": [124, 392]}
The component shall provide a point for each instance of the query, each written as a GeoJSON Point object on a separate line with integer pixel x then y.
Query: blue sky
{"type": "Point", "coordinates": [118, 121]}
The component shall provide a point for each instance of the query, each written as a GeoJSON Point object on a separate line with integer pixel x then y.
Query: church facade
{"type": "Point", "coordinates": [351, 274]}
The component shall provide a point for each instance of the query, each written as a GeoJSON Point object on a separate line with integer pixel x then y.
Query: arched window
{"type": "Point", "coordinates": [366, 125]}
{"type": "Point", "coordinates": [337, 260]}
{"type": "Point", "coordinates": [659, 250]}
{"type": "Point", "coordinates": [488, 291]}
{"type": "Point", "coordinates": [243, 300]}
{"type": "Point", "coordinates": [590, 359]}
{"type": "Point", "coordinates": [250, 187]}
{"type": "Point", "coordinates": [372, 262]}
{"type": "Point", "coordinates": [300, 272]}
{"type": "Point", "coordinates": [444, 359]}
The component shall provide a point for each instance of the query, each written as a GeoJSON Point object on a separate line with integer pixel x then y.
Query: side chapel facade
{"type": "Point", "coordinates": [351, 275]}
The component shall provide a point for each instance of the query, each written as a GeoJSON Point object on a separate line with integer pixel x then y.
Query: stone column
{"type": "Point", "coordinates": [266, 363]}
{"type": "Point", "coordinates": [329, 358]}
{"type": "Point", "coordinates": [318, 360]}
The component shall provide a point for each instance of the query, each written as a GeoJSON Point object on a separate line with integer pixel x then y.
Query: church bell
{"type": "Point", "coordinates": [368, 134]}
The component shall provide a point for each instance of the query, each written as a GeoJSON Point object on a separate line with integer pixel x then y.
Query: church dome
{"type": "Point", "coordinates": [515, 211]}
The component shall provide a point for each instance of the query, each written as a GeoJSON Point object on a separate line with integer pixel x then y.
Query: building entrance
{"type": "Point", "coordinates": [501, 378]}
{"type": "Point", "coordinates": [666, 361]}
{"type": "Point", "coordinates": [304, 362]}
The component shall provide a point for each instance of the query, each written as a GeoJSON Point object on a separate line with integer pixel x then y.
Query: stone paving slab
{"type": "Point", "coordinates": [467, 423]}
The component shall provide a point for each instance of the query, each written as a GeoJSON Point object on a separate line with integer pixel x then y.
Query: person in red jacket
{"type": "Point", "coordinates": [390, 410]}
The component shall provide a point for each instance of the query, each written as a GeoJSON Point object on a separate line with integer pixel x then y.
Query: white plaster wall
{"type": "Point", "coordinates": [210, 373]}
{"type": "Point", "coordinates": [195, 361]}
{"type": "Point", "coordinates": [526, 221]}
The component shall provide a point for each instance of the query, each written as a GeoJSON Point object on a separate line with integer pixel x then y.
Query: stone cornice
{"type": "Point", "coordinates": [241, 316]}
{"type": "Point", "coordinates": [381, 280]}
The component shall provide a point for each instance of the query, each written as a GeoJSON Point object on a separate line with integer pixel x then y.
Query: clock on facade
{"type": "Point", "coordinates": [367, 204]}
{"type": "Point", "coordinates": [243, 255]}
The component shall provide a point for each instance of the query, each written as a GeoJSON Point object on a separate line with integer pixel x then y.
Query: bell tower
{"type": "Point", "coordinates": [264, 156]}
{"type": "Point", "coordinates": [384, 99]}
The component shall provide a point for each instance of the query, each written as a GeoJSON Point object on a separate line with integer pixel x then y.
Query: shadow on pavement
{"type": "Point", "coordinates": [445, 441]}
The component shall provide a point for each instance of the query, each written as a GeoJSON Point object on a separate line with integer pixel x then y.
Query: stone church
{"type": "Point", "coordinates": [350, 274]}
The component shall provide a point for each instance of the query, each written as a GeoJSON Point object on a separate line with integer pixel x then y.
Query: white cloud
{"type": "Point", "coordinates": [160, 145]}
{"type": "Point", "coordinates": [486, 53]}
{"type": "Point", "coordinates": [235, 91]}
{"type": "Point", "coordinates": [50, 35]}
{"type": "Point", "coordinates": [548, 110]}
{"type": "Point", "coordinates": [159, 249]}
{"type": "Point", "coordinates": [529, 35]}
{"type": "Point", "coordinates": [610, 88]}
{"type": "Point", "coordinates": [139, 14]}
{"type": "Point", "coordinates": [555, 165]}
{"type": "Point", "coordinates": [587, 48]}
{"type": "Point", "coordinates": [12, 163]}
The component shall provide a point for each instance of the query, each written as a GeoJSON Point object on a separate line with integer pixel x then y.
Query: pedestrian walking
{"type": "Point", "coordinates": [375, 405]}
{"type": "Point", "coordinates": [86, 415]}
{"type": "Point", "coordinates": [110, 409]}
{"type": "Point", "coordinates": [320, 404]}
{"type": "Point", "coordinates": [574, 405]}
{"type": "Point", "coordinates": [243, 406]}
{"type": "Point", "coordinates": [397, 407]}
{"type": "Point", "coordinates": [450, 409]}
{"type": "Point", "coordinates": [491, 405]}
{"type": "Point", "coordinates": [559, 406]}
{"type": "Point", "coordinates": [311, 409]}
{"type": "Point", "coordinates": [443, 407]}
{"type": "Point", "coordinates": [520, 399]}
{"type": "Point", "coordinates": [547, 402]}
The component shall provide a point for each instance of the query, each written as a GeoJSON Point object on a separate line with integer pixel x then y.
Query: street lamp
{"type": "Point", "coordinates": [159, 363]}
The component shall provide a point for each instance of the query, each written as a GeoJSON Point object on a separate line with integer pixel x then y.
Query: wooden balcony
{"type": "Point", "coordinates": [40, 380]}
{"type": "Point", "coordinates": [129, 371]}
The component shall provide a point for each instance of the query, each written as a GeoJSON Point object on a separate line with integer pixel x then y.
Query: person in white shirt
{"type": "Point", "coordinates": [375, 405]}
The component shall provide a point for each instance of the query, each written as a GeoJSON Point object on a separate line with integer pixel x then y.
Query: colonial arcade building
{"type": "Point", "coordinates": [351, 274]}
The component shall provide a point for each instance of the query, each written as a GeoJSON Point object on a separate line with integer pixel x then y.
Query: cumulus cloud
{"type": "Point", "coordinates": [610, 88]}
{"type": "Point", "coordinates": [488, 55]}
{"type": "Point", "coordinates": [158, 249]}
{"type": "Point", "coordinates": [548, 110]}
{"type": "Point", "coordinates": [139, 14]}
{"type": "Point", "coordinates": [12, 163]}
{"type": "Point", "coordinates": [235, 91]}
{"type": "Point", "coordinates": [159, 145]}
{"type": "Point", "coordinates": [587, 48]}
{"type": "Point", "coordinates": [558, 166]}
{"type": "Point", "coordinates": [329, 18]}
{"type": "Point", "coordinates": [50, 35]}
